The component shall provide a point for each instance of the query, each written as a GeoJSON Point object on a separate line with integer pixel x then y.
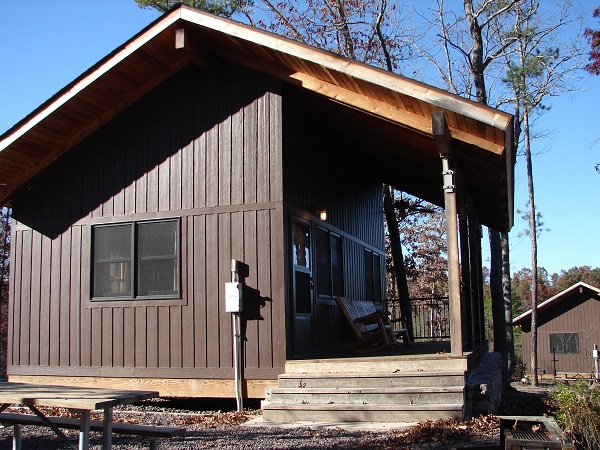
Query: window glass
{"type": "Point", "coordinates": [337, 266]}
{"type": "Point", "coordinates": [112, 261]}
{"type": "Point", "coordinates": [369, 274]}
{"type": "Point", "coordinates": [377, 297]}
{"type": "Point", "coordinates": [564, 343]}
{"type": "Point", "coordinates": [330, 268]}
{"type": "Point", "coordinates": [323, 263]}
{"type": "Point", "coordinates": [147, 252]}
{"type": "Point", "coordinates": [303, 296]}
{"type": "Point", "coordinates": [157, 258]}
{"type": "Point", "coordinates": [301, 245]}
{"type": "Point", "coordinates": [373, 276]}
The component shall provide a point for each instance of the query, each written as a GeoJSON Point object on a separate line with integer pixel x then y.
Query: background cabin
{"type": "Point", "coordinates": [200, 141]}
{"type": "Point", "coordinates": [568, 329]}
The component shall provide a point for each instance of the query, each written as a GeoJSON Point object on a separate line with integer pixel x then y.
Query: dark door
{"type": "Point", "coordinates": [302, 289]}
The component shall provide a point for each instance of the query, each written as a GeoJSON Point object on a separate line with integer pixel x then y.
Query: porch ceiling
{"type": "Point", "coordinates": [388, 114]}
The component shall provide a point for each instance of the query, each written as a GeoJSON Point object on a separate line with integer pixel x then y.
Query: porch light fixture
{"type": "Point", "coordinates": [323, 215]}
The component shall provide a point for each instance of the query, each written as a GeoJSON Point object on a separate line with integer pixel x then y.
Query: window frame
{"type": "Point", "coordinates": [134, 258]}
{"type": "Point", "coordinates": [331, 293]}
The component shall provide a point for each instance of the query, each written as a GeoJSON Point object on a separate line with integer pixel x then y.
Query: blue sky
{"type": "Point", "coordinates": [45, 44]}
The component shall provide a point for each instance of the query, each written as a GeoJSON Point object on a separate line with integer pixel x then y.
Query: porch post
{"type": "Point", "coordinates": [443, 140]}
{"type": "Point", "coordinates": [456, 340]}
{"type": "Point", "coordinates": [468, 304]}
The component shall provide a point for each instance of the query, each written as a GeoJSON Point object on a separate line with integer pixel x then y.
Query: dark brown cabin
{"type": "Point", "coordinates": [568, 329]}
{"type": "Point", "coordinates": [202, 140]}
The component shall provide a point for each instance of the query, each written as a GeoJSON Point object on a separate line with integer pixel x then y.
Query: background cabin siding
{"type": "Point", "coordinates": [202, 147]}
{"type": "Point", "coordinates": [577, 314]}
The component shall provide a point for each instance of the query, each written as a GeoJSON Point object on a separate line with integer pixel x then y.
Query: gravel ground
{"type": "Point", "coordinates": [216, 430]}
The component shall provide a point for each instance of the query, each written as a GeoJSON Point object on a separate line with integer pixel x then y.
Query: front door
{"type": "Point", "coordinates": [302, 289]}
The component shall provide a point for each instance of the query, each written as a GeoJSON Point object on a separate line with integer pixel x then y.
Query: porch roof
{"type": "Point", "coordinates": [394, 112]}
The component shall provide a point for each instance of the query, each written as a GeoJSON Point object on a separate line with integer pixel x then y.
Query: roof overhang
{"type": "Point", "coordinates": [399, 107]}
{"type": "Point", "coordinates": [579, 287]}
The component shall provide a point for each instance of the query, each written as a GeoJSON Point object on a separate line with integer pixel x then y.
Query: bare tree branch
{"type": "Point", "coordinates": [297, 35]}
{"type": "Point", "coordinates": [382, 42]}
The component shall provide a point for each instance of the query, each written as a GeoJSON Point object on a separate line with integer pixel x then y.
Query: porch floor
{"type": "Point", "coordinates": [429, 348]}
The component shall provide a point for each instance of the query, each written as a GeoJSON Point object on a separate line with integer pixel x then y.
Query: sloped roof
{"type": "Point", "coordinates": [558, 298]}
{"type": "Point", "coordinates": [396, 110]}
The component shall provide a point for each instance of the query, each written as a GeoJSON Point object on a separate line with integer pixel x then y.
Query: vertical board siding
{"type": "Point", "coordinates": [323, 170]}
{"type": "Point", "coordinates": [205, 146]}
{"type": "Point", "coordinates": [321, 173]}
{"type": "Point", "coordinates": [577, 314]}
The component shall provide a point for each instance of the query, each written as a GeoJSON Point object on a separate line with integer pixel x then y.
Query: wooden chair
{"type": "Point", "coordinates": [373, 328]}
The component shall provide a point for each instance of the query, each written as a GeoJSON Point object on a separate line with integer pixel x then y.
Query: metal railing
{"type": "Point", "coordinates": [430, 317]}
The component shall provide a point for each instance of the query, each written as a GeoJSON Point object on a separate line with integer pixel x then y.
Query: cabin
{"type": "Point", "coordinates": [201, 141]}
{"type": "Point", "coordinates": [568, 330]}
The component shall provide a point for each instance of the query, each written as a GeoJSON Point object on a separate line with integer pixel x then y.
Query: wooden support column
{"type": "Point", "coordinates": [469, 316]}
{"type": "Point", "coordinates": [442, 137]}
{"type": "Point", "coordinates": [475, 235]}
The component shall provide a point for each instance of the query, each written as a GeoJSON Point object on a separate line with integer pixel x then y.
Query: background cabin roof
{"type": "Point", "coordinates": [394, 112]}
{"type": "Point", "coordinates": [577, 288]}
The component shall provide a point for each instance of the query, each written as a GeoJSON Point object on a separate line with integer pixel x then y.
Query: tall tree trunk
{"type": "Point", "coordinates": [534, 266]}
{"type": "Point", "coordinates": [496, 290]}
{"type": "Point", "coordinates": [499, 252]}
{"type": "Point", "coordinates": [509, 338]}
{"type": "Point", "coordinates": [477, 67]}
{"type": "Point", "coordinates": [397, 257]}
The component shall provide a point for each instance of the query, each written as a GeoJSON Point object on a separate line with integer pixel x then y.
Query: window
{"type": "Point", "coordinates": [330, 268]}
{"type": "Point", "coordinates": [373, 276]}
{"type": "Point", "coordinates": [564, 343]}
{"type": "Point", "coordinates": [136, 260]}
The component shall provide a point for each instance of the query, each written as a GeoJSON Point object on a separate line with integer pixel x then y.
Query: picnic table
{"type": "Point", "coordinates": [81, 399]}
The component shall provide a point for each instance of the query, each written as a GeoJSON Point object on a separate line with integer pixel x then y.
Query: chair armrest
{"type": "Point", "coordinates": [401, 320]}
{"type": "Point", "coordinates": [368, 319]}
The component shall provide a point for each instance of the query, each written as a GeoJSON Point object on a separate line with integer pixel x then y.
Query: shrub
{"type": "Point", "coordinates": [577, 410]}
{"type": "Point", "coordinates": [518, 370]}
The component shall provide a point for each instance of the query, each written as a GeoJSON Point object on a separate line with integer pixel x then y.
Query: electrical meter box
{"type": "Point", "coordinates": [233, 297]}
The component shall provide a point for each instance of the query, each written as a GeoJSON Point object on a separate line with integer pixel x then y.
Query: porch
{"type": "Point", "coordinates": [406, 384]}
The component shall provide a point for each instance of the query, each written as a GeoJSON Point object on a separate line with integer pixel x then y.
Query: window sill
{"type": "Point", "coordinates": [132, 303]}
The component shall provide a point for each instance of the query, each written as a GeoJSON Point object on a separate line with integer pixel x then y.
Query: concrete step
{"type": "Point", "coordinates": [378, 365]}
{"type": "Point", "coordinates": [360, 413]}
{"type": "Point", "coordinates": [367, 396]}
{"type": "Point", "coordinates": [372, 380]}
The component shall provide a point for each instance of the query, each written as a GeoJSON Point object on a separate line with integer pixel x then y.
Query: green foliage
{"type": "Point", "coordinates": [567, 278]}
{"type": "Point", "coordinates": [577, 410]}
{"type": "Point", "coordinates": [523, 76]}
{"type": "Point", "coordinates": [539, 223]}
{"type": "Point", "coordinates": [224, 8]}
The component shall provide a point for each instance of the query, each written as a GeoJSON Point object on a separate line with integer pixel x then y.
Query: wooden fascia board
{"type": "Point", "coordinates": [332, 61]}
{"type": "Point", "coordinates": [362, 102]}
{"type": "Point", "coordinates": [83, 82]}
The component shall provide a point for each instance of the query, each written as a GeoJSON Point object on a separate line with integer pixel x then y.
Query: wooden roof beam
{"type": "Point", "coordinates": [185, 42]}
{"type": "Point", "coordinates": [443, 139]}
